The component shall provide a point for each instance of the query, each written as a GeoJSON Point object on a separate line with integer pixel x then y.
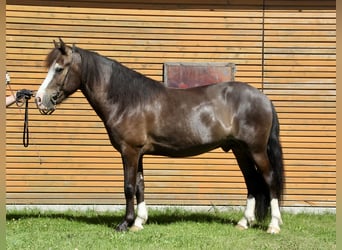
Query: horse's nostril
{"type": "Point", "coordinates": [54, 98]}
{"type": "Point", "coordinates": [38, 100]}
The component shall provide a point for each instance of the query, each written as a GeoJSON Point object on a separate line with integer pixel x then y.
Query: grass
{"type": "Point", "coordinates": [166, 229]}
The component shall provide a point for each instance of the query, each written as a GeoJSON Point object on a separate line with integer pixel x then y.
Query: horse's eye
{"type": "Point", "coordinates": [59, 69]}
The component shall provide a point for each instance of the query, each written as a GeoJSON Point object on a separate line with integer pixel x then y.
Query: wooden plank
{"type": "Point", "coordinates": [300, 3]}
{"type": "Point", "coordinates": [135, 11]}
{"type": "Point", "coordinates": [151, 5]}
{"type": "Point", "coordinates": [226, 163]}
{"type": "Point", "coordinates": [169, 18]}
{"type": "Point", "coordinates": [178, 190]}
{"type": "Point", "coordinates": [219, 198]}
{"type": "Point", "coordinates": [211, 202]}
{"type": "Point", "coordinates": [271, 14]}
{"type": "Point", "coordinates": [108, 44]}
{"type": "Point", "coordinates": [292, 187]}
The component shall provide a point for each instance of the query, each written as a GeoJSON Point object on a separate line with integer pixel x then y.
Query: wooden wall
{"type": "Point", "coordinates": [285, 48]}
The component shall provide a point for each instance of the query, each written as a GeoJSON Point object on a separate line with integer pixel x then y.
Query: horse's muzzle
{"type": "Point", "coordinates": [44, 110]}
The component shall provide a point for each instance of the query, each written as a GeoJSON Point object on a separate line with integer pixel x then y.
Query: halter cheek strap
{"type": "Point", "coordinates": [66, 75]}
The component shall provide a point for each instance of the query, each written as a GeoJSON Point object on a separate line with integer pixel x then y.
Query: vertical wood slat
{"type": "Point", "coordinates": [300, 76]}
{"type": "Point", "coordinates": [70, 152]}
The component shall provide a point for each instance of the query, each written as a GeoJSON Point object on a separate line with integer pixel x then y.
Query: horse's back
{"type": "Point", "coordinates": [206, 117]}
{"type": "Point", "coordinates": [232, 95]}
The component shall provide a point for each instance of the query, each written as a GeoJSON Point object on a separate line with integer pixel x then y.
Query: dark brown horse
{"type": "Point", "coordinates": [144, 117]}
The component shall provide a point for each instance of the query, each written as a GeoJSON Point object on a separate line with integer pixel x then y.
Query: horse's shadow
{"type": "Point", "coordinates": [112, 219]}
{"type": "Point", "coordinates": [106, 219]}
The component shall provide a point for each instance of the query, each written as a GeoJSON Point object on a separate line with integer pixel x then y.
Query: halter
{"type": "Point", "coordinates": [43, 112]}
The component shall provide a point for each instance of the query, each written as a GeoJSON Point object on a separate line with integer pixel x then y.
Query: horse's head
{"type": "Point", "coordinates": [63, 77]}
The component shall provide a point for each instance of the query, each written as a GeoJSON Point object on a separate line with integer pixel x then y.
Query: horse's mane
{"type": "Point", "coordinates": [131, 87]}
{"type": "Point", "coordinates": [126, 86]}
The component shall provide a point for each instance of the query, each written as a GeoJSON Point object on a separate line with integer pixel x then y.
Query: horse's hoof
{"type": "Point", "coordinates": [135, 228]}
{"type": "Point", "coordinates": [122, 227]}
{"type": "Point", "coordinates": [251, 222]}
{"type": "Point", "coordinates": [273, 230]}
{"type": "Point", "coordinates": [241, 227]}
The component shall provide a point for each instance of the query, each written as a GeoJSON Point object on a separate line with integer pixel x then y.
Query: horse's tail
{"type": "Point", "coordinates": [275, 155]}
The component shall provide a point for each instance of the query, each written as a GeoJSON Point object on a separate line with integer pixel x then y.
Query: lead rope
{"type": "Point", "coordinates": [27, 97]}
{"type": "Point", "coordinates": [26, 127]}
{"type": "Point", "coordinates": [25, 132]}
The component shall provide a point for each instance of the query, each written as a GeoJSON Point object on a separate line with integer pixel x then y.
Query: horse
{"type": "Point", "coordinates": [144, 117]}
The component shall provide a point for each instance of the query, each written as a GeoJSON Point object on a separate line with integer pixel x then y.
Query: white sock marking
{"type": "Point", "coordinates": [275, 212]}
{"type": "Point", "coordinates": [250, 209]}
{"type": "Point", "coordinates": [142, 215]}
{"type": "Point", "coordinates": [249, 216]}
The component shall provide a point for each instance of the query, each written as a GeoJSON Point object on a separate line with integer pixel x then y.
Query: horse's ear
{"type": "Point", "coordinates": [73, 48]}
{"type": "Point", "coordinates": [61, 42]}
{"type": "Point", "coordinates": [62, 46]}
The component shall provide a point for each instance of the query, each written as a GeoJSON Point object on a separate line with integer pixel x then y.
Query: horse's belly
{"type": "Point", "coordinates": [182, 150]}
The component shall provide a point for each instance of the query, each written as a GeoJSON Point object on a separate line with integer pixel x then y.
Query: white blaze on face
{"type": "Point", "coordinates": [47, 79]}
{"type": "Point", "coordinates": [42, 89]}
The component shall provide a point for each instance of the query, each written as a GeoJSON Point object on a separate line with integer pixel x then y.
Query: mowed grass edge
{"type": "Point", "coordinates": [166, 229]}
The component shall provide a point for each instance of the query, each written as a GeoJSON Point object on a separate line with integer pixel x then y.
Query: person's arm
{"type": "Point", "coordinates": [10, 100]}
{"type": "Point", "coordinates": [23, 94]}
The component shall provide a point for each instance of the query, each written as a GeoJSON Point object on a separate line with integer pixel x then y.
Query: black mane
{"type": "Point", "coordinates": [125, 87]}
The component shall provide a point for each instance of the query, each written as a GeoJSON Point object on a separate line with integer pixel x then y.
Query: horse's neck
{"type": "Point", "coordinates": [119, 89]}
{"type": "Point", "coordinates": [96, 91]}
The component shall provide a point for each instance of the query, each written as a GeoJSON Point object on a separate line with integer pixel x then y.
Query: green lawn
{"type": "Point", "coordinates": [167, 229]}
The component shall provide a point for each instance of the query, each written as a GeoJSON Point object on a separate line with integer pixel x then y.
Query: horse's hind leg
{"type": "Point", "coordinates": [142, 214]}
{"type": "Point", "coordinates": [246, 165]}
{"type": "Point", "coordinates": [262, 161]}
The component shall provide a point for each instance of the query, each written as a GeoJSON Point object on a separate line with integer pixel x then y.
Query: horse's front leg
{"type": "Point", "coordinates": [130, 159]}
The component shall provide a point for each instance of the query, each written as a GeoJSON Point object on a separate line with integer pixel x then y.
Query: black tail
{"type": "Point", "coordinates": [275, 155]}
